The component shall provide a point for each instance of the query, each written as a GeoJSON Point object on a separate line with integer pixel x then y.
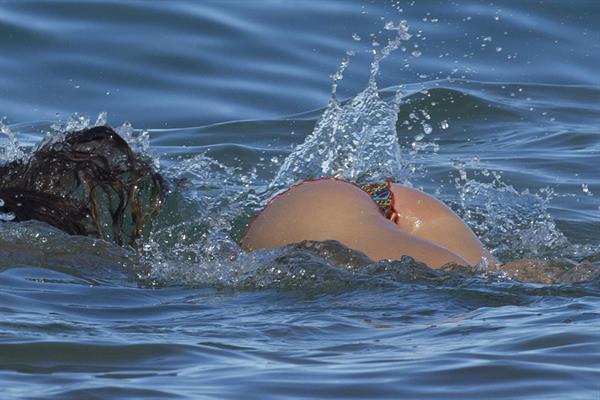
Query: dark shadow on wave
{"type": "Point", "coordinates": [298, 258]}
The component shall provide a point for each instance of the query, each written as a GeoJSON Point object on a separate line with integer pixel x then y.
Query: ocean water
{"type": "Point", "coordinates": [493, 107]}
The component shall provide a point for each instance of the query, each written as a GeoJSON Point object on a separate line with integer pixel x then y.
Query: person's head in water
{"type": "Point", "coordinates": [88, 183]}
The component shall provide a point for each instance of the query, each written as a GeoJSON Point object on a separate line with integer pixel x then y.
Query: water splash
{"type": "Point", "coordinates": [138, 140]}
{"type": "Point", "coordinates": [196, 232]}
{"type": "Point", "coordinates": [12, 151]}
{"type": "Point", "coordinates": [513, 224]}
{"type": "Point", "coordinates": [6, 217]}
{"type": "Point", "coordinates": [355, 140]}
{"type": "Point", "coordinates": [102, 119]}
{"type": "Point", "coordinates": [74, 122]}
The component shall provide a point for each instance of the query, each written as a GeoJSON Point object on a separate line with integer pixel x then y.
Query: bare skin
{"type": "Point", "coordinates": [330, 209]}
{"type": "Point", "coordinates": [426, 217]}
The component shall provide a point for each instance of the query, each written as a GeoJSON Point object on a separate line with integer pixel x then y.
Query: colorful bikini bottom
{"type": "Point", "coordinates": [382, 195]}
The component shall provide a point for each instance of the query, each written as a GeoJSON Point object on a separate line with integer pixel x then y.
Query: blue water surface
{"type": "Point", "coordinates": [499, 117]}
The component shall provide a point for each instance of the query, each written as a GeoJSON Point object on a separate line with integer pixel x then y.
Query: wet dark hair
{"type": "Point", "coordinates": [88, 182]}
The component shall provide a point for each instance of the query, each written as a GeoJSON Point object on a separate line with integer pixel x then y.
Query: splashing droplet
{"type": "Point", "coordinates": [348, 138]}
{"type": "Point", "coordinates": [12, 151]}
{"type": "Point", "coordinates": [102, 119]}
{"type": "Point", "coordinates": [585, 189]}
{"type": "Point", "coordinates": [6, 217]}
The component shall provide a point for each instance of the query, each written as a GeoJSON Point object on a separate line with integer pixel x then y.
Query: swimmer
{"type": "Point", "coordinates": [383, 220]}
{"type": "Point", "coordinates": [91, 183]}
